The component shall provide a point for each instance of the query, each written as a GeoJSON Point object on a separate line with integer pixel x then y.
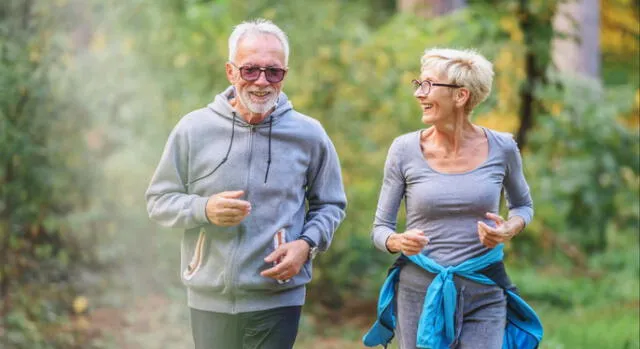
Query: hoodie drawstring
{"type": "Point", "coordinates": [226, 156]}
{"type": "Point", "coordinates": [266, 175]}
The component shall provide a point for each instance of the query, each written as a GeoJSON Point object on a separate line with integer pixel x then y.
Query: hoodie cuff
{"type": "Point", "coordinates": [199, 206]}
{"type": "Point", "coordinates": [314, 235]}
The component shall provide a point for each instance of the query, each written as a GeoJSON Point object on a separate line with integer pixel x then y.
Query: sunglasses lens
{"type": "Point", "coordinates": [250, 73]}
{"type": "Point", "coordinates": [274, 74]}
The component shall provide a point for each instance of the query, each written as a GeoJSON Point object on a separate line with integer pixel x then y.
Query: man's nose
{"type": "Point", "coordinates": [262, 79]}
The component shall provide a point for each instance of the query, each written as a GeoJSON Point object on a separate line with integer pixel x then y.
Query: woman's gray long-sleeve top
{"type": "Point", "coordinates": [445, 206]}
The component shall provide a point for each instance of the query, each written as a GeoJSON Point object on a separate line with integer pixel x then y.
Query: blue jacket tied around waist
{"type": "Point", "coordinates": [436, 327]}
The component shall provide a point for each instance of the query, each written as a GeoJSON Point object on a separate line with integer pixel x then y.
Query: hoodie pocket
{"type": "Point", "coordinates": [196, 259]}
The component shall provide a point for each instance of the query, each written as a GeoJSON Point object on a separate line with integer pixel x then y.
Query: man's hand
{"type": "Point", "coordinates": [225, 209]}
{"type": "Point", "coordinates": [410, 243]}
{"type": "Point", "coordinates": [292, 256]}
{"type": "Point", "coordinates": [503, 231]}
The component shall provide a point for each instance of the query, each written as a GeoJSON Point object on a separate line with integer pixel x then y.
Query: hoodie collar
{"type": "Point", "coordinates": [222, 107]}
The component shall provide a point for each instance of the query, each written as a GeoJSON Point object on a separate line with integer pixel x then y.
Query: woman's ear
{"type": "Point", "coordinates": [462, 97]}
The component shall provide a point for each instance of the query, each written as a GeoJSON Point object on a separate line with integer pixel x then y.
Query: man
{"type": "Point", "coordinates": [238, 176]}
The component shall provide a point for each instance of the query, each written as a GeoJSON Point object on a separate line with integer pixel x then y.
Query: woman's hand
{"type": "Point", "coordinates": [502, 232]}
{"type": "Point", "coordinates": [410, 243]}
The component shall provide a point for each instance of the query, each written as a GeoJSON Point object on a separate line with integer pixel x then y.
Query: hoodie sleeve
{"type": "Point", "coordinates": [168, 201]}
{"type": "Point", "coordinates": [325, 195]}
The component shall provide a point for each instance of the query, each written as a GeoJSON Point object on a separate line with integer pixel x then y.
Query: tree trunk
{"type": "Point", "coordinates": [430, 8]}
{"type": "Point", "coordinates": [579, 53]}
{"type": "Point", "coordinates": [532, 19]}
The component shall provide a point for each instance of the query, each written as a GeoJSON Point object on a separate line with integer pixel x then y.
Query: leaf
{"type": "Point", "coordinates": [80, 305]}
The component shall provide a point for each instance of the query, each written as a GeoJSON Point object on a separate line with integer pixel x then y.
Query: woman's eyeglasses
{"type": "Point", "coordinates": [426, 85]}
{"type": "Point", "coordinates": [252, 73]}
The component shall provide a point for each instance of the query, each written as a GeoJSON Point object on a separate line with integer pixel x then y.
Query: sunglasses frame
{"type": "Point", "coordinates": [265, 70]}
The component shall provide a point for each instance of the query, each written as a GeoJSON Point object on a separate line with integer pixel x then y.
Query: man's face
{"type": "Point", "coordinates": [263, 50]}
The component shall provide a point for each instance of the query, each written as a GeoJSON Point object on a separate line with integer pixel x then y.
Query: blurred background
{"type": "Point", "coordinates": [90, 89]}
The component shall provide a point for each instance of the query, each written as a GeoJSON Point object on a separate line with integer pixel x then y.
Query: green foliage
{"type": "Point", "coordinates": [583, 167]}
{"type": "Point", "coordinates": [42, 178]}
{"type": "Point", "coordinates": [594, 311]}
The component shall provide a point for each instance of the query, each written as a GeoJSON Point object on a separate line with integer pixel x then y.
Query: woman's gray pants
{"type": "Point", "coordinates": [483, 309]}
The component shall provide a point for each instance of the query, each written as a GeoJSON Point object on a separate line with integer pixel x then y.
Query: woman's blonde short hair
{"type": "Point", "coordinates": [462, 67]}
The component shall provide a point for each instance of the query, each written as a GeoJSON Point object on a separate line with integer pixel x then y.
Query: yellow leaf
{"type": "Point", "coordinates": [505, 122]}
{"type": "Point", "coordinates": [80, 305]}
{"type": "Point", "coordinates": [508, 23]}
{"type": "Point", "coordinates": [517, 36]}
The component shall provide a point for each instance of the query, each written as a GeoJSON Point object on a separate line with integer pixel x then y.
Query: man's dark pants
{"type": "Point", "coordinates": [267, 329]}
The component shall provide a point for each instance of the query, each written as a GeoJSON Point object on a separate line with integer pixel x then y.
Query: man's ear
{"type": "Point", "coordinates": [229, 70]}
{"type": "Point", "coordinates": [462, 96]}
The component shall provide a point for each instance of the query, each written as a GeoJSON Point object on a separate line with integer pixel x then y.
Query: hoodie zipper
{"type": "Point", "coordinates": [233, 266]}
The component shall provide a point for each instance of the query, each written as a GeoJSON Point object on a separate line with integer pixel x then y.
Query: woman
{"type": "Point", "coordinates": [449, 288]}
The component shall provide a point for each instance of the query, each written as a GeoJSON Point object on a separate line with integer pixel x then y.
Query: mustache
{"type": "Point", "coordinates": [268, 89]}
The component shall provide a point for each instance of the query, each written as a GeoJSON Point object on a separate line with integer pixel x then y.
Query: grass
{"type": "Point", "coordinates": [598, 310]}
{"type": "Point", "coordinates": [613, 326]}
{"type": "Point", "coordinates": [601, 327]}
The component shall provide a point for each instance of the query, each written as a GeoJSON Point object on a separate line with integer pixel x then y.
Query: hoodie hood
{"type": "Point", "coordinates": [222, 107]}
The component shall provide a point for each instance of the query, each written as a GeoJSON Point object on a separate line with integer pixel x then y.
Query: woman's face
{"type": "Point", "coordinates": [437, 102]}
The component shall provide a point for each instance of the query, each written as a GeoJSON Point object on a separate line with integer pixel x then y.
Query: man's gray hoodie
{"type": "Point", "coordinates": [282, 164]}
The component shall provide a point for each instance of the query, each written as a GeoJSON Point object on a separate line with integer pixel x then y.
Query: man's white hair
{"type": "Point", "coordinates": [461, 67]}
{"type": "Point", "coordinates": [255, 27]}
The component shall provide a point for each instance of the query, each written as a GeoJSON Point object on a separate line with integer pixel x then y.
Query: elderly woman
{"type": "Point", "coordinates": [449, 288]}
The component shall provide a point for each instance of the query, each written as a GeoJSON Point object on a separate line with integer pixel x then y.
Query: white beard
{"type": "Point", "coordinates": [258, 108]}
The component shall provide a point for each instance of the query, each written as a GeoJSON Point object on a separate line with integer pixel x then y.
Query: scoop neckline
{"type": "Point", "coordinates": [482, 164]}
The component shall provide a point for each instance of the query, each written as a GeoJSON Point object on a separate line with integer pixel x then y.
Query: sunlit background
{"type": "Point", "coordinates": [90, 89]}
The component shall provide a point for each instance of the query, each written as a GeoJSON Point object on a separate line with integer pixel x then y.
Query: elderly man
{"type": "Point", "coordinates": [257, 189]}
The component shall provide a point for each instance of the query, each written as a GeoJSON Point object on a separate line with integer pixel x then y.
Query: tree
{"type": "Point", "coordinates": [577, 48]}
{"type": "Point", "coordinates": [44, 174]}
{"type": "Point", "coordinates": [534, 20]}
{"type": "Point", "coordinates": [430, 8]}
